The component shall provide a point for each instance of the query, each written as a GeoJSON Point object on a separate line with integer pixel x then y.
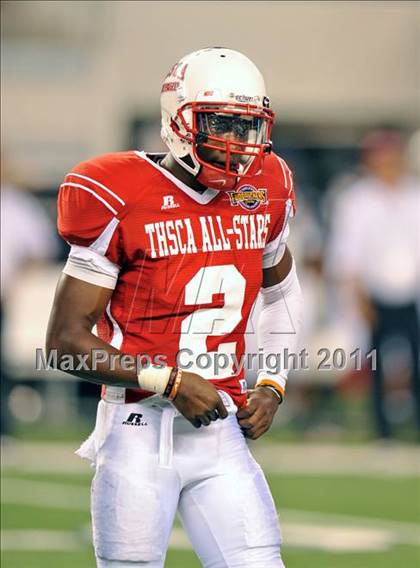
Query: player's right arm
{"type": "Point", "coordinates": [77, 307]}
{"type": "Point", "coordinates": [88, 221]}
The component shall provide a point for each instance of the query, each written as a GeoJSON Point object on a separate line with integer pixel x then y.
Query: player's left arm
{"type": "Point", "coordinates": [278, 327]}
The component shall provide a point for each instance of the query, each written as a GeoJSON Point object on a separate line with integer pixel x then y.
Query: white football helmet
{"type": "Point", "coordinates": [216, 119]}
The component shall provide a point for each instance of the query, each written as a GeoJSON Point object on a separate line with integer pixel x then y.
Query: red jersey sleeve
{"type": "Point", "coordinates": [89, 211]}
{"type": "Point", "coordinates": [284, 209]}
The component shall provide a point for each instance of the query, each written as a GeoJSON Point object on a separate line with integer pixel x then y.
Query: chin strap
{"type": "Point", "coordinates": [216, 180]}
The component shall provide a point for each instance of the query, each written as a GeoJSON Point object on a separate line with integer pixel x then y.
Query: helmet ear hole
{"type": "Point", "coordinates": [188, 160]}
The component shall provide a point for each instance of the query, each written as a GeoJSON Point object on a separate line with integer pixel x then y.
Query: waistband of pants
{"type": "Point", "coordinates": [116, 395]}
{"type": "Point", "coordinates": [168, 413]}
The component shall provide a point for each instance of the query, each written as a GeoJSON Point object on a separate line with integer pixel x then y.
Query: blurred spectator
{"type": "Point", "coordinates": [414, 152]}
{"type": "Point", "coordinates": [374, 260]}
{"type": "Point", "coordinates": [27, 236]}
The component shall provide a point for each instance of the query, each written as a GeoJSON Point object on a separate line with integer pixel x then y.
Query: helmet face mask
{"type": "Point", "coordinates": [213, 134]}
{"type": "Point", "coordinates": [227, 139]}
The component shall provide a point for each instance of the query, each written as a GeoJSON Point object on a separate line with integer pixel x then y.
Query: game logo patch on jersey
{"type": "Point", "coordinates": [248, 197]}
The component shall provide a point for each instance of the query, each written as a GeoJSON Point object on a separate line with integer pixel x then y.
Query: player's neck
{"type": "Point", "coordinates": [170, 164]}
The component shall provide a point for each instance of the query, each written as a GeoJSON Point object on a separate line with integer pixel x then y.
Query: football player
{"type": "Point", "coordinates": [168, 254]}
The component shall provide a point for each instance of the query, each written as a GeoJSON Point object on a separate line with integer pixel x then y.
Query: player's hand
{"type": "Point", "coordinates": [256, 417]}
{"type": "Point", "coordinates": [198, 400]}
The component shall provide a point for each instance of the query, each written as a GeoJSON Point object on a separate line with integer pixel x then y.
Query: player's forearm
{"type": "Point", "coordinates": [94, 359]}
{"type": "Point", "coordinates": [196, 398]}
{"type": "Point", "coordinates": [279, 325]}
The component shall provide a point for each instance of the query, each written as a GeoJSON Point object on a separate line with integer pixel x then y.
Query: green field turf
{"type": "Point", "coordinates": [403, 556]}
{"type": "Point", "coordinates": [329, 521]}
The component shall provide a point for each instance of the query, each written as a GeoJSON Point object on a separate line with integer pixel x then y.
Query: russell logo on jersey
{"type": "Point", "coordinates": [169, 203]}
{"type": "Point", "coordinates": [248, 197]}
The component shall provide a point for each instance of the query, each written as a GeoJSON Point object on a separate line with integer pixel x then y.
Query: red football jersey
{"type": "Point", "coordinates": [188, 264]}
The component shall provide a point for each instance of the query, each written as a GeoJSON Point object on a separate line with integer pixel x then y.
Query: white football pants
{"type": "Point", "coordinates": [150, 462]}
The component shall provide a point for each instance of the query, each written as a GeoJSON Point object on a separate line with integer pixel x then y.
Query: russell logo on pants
{"type": "Point", "coordinates": [135, 420]}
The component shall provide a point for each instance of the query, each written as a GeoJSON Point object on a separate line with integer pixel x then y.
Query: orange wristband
{"type": "Point", "coordinates": [175, 387]}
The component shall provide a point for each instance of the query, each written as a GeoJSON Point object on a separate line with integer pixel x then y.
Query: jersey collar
{"type": "Point", "coordinates": [203, 198]}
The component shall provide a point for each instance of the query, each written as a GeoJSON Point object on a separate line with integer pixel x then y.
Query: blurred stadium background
{"type": "Point", "coordinates": [83, 78]}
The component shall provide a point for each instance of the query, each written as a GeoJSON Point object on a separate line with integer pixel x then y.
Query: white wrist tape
{"type": "Point", "coordinates": [278, 327]}
{"type": "Point", "coordinates": [154, 379]}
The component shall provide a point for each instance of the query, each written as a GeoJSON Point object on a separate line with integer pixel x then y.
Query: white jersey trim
{"type": "Point", "coordinates": [102, 242]}
{"type": "Point", "coordinates": [287, 174]}
{"type": "Point", "coordinates": [202, 198]}
{"type": "Point", "coordinates": [99, 185]}
{"type": "Point", "coordinates": [117, 337]}
{"type": "Point", "coordinates": [89, 265]}
{"type": "Point", "coordinates": [274, 250]}
{"type": "Point", "coordinates": [80, 186]}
